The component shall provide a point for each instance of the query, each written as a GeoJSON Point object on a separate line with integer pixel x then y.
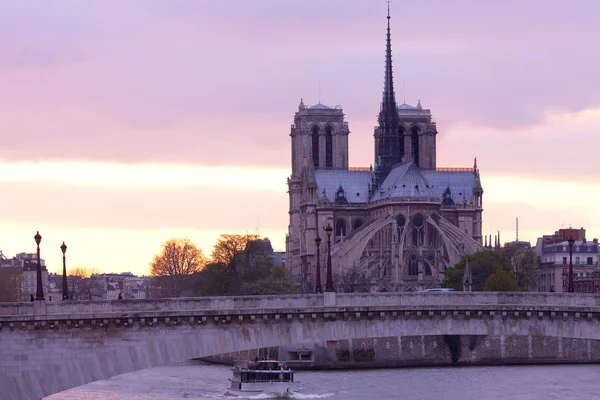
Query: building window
{"type": "Point", "coordinates": [590, 261]}
{"type": "Point", "coordinates": [340, 228]}
{"type": "Point", "coordinates": [328, 147]}
{"type": "Point", "coordinates": [401, 144]}
{"type": "Point", "coordinates": [415, 145]}
{"type": "Point", "coordinates": [418, 234]}
{"type": "Point", "coordinates": [413, 265]}
{"type": "Point", "coordinates": [577, 260]}
{"type": "Point", "coordinates": [564, 260]}
{"type": "Point", "coordinates": [357, 224]}
{"type": "Point", "coordinates": [315, 146]}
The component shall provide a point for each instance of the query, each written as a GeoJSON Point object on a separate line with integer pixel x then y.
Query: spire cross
{"type": "Point", "coordinates": [319, 88]}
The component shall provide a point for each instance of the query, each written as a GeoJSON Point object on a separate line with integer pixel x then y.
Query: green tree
{"type": "Point", "coordinates": [216, 280]}
{"type": "Point", "coordinates": [173, 267]}
{"type": "Point", "coordinates": [501, 281]}
{"type": "Point", "coordinates": [256, 261]}
{"type": "Point", "coordinates": [278, 281]}
{"type": "Point", "coordinates": [482, 264]}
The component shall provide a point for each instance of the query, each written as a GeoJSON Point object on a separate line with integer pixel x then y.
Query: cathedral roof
{"type": "Point", "coordinates": [354, 183]}
{"type": "Point", "coordinates": [460, 182]}
{"type": "Point", "coordinates": [405, 180]}
{"type": "Point", "coordinates": [405, 106]}
{"type": "Point", "coordinates": [319, 106]}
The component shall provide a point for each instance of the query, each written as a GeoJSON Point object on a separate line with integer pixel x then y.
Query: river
{"type": "Point", "coordinates": [203, 382]}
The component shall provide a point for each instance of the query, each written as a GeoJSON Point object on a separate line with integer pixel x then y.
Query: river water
{"type": "Point", "coordinates": [193, 381]}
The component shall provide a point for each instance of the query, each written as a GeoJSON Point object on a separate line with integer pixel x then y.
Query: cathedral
{"type": "Point", "coordinates": [397, 224]}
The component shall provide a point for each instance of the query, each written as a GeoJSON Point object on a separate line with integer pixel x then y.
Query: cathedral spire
{"type": "Point", "coordinates": [388, 142]}
{"type": "Point", "coordinates": [388, 113]}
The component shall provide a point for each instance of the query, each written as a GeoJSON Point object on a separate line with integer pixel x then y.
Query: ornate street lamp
{"type": "Point", "coordinates": [65, 287]}
{"type": "Point", "coordinates": [329, 283]}
{"type": "Point", "coordinates": [39, 295]}
{"type": "Point", "coordinates": [570, 277]}
{"type": "Point", "coordinates": [318, 288]}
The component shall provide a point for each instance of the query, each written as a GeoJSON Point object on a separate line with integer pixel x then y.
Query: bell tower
{"type": "Point", "coordinates": [319, 138]}
{"type": "Point", "coordinates": [319, 142]}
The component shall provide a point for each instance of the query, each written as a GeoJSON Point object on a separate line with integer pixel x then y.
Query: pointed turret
{"type": "Point", "coordinates": [387, 139]}
{"type": "Point", "coordinates": [467, 278]}
{"type": "Point", "coordinates": [477, 188]}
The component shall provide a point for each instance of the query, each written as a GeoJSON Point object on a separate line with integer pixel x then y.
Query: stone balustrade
{"type": "Point", "coordinates": [299, 302]}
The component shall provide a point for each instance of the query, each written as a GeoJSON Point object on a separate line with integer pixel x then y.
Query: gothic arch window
{"type": "Point", "coordinates": [401, 144]}
{"type": "Point", "coordinates": [427, 269]}
{"type": "Point", "coordinates": [340, 195]}
{"type": "Point", "coordinates": [413, 265]}
{"type": "Point", "coordinates": [433, 237]}
{"type": "Point", "coordinates": [357, 224]}
{"type": "Point", "coordinates": [315, 145]}
{"type": "Point", "coordinates": [397, 227]}
{"type": "Point", "coordinates": [418, 225]}
{"type": "Point", "coordinates": [328, 147]}
{"type": "Point", "coordinates": [340, 228]}
{"type": "Point", "coordinates": [400, 221]}
{"type": "Point", "coordinates": [414, 142]}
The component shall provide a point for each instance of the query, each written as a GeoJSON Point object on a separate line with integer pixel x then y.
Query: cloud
{"type": "Point", "coordinates": [142, 196]}
{"type": "Point", "coordinates": [562, 147]}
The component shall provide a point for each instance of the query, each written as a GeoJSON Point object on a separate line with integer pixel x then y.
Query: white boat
{"type": "Point", "coordinates": [261, 376]}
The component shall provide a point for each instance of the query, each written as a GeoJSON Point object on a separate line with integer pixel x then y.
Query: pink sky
{"type": "Point", "coordinates": [124, 124]}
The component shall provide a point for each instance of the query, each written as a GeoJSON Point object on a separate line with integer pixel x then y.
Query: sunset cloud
{"type": "Point", "coordinates": [133, 121]}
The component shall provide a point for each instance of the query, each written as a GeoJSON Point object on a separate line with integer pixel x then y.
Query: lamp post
{"type": "Point", "coordinates": [318, 288]}
{"type": "Point", "coordinates": [39, 295]}
{"type": "Point", "coordinates": [329, 283]}
{"type": "Point", "coordinates": [570, 277]}
{"type": "Point", "coordinates": [65, 287]}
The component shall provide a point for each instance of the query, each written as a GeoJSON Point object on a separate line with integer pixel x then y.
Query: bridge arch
{"type": "Point", "coordinates": [105, 339]}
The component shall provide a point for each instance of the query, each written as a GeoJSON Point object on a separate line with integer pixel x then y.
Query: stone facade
{"type": "Point", "coordinates": [427, 351]}
{"type": "Point", "coordinates": [554, 264]}
{"type": "Point", "coordinates": [399, 223]}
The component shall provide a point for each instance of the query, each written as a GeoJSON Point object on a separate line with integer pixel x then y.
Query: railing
{"type": "Point", "coordinates": [330, 107]}
{"type": "Point", "coordinates": [289, 303]}
{"type": "Point", "coordinates": [455, 169]}
{"type": "Point", "coordinates": [367, 169]}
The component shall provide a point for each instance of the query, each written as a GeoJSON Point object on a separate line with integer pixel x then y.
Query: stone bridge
{"type": "Point", "coordinates": [48, 347]}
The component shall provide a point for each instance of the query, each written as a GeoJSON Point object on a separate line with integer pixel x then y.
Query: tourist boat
{"type": "Point", "coordinates": [261, 376]}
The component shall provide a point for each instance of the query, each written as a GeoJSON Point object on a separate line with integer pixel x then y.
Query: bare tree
{"type": "Point", "coordinates": [173, 266]}
{"type": "Point", "coordinates": [524, 267]}
{"type": "Point", "coordinates": [353, 280]}
{"type": "Point", "coordinates": [229, 247]}
{"type": "Point", "coordinates": [86, 284]}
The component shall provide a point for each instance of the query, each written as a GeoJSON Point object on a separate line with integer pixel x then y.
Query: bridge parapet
{"type": "Point", "coordinates": [469, 298]}
{"type": "Point", "coordinates": [297, 302]}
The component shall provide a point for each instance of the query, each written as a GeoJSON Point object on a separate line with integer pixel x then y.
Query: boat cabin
{"type": "Point", "coordinates": [263, 371]}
